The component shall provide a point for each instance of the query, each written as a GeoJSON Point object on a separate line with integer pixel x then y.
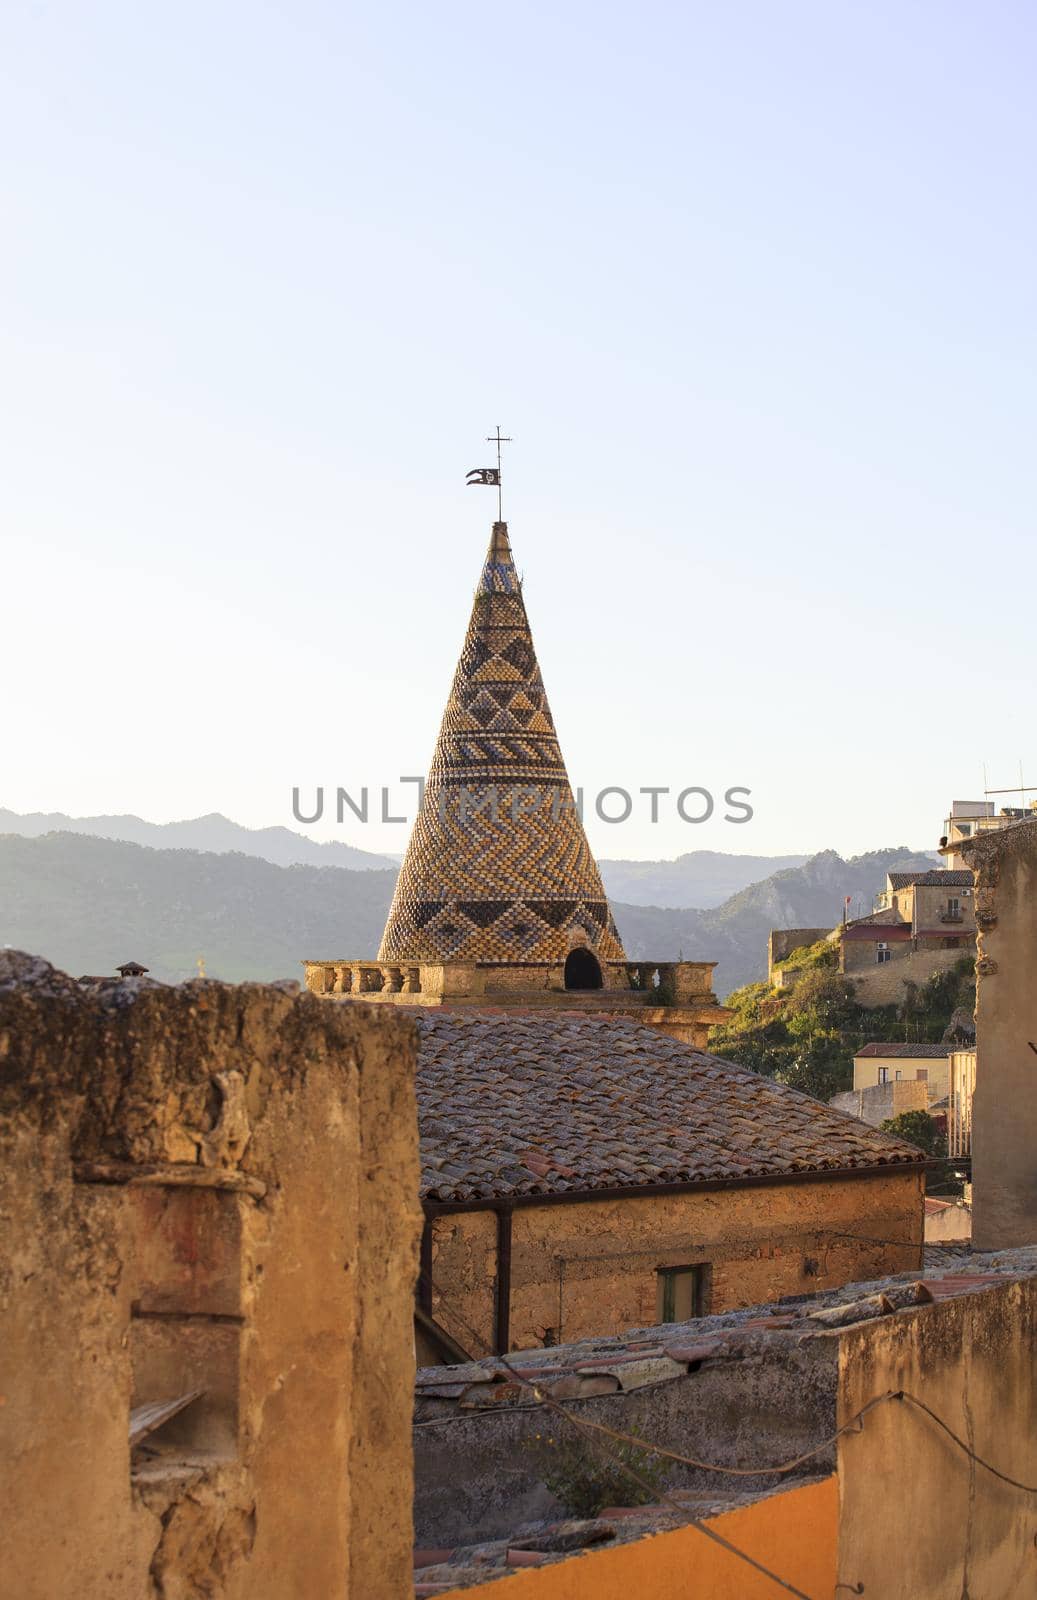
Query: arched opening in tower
{"type": "Point", "coordinates": [582, 970]}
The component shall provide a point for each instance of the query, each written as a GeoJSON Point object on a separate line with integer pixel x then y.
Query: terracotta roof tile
{"type": "Point", "coordinates": [936, 878]}
{"type": "Point", "coordinates": [906, 1052]}
{"type": "Point", "coordinates": [499, 1116]}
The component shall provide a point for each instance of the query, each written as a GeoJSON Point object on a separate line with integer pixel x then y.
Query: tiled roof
{"type": "Point", "coordinates": [936, 879]}
{"type": "Point", "coordinates": [904, 1051]}
{"type": "Point", "coordinates": [887, 916]}
{"type": "Point", "coordinates": [550, 1103]}
{"type": "Point", "coordinates": [644, 1357]}
{"type": "Point", "coordinates": [544, 1541]}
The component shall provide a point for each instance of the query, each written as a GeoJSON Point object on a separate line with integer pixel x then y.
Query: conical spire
{"type": "Point", "coordinates": [498, 867]}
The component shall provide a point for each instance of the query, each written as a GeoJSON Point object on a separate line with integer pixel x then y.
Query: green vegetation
{"type": "Point", "coordinates": [588, 1477]}
{"type": "Point", "coordinates": [917, 1127]}
{"type": "Point", "coordinates": [806, 1035]}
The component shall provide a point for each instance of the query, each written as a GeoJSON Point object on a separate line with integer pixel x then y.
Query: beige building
{"type": "Point", "coordinates": [963, 1088]}
{"type": "Point", "coordinates": [1004, 1107]}
{"type": "Point", "coordinates": [585, 1174]}
{"type": "Point", "coordinates": [970, 818]}
{"type": "Point", "coordinates": [927, 1064]}
{"type": "Point", "coordinates": [923, 924]}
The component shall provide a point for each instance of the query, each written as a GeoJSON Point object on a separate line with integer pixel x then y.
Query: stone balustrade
{"type": "Point", "coordinates": [674, 983]}
{"type": "Point", "coordinates": [368, 978]}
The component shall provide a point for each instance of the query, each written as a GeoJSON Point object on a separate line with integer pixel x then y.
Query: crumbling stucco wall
{"type": "Point", "coordinates": [591, 1267]}
{"type": "Point", "coordinates": [942, 1526]}
{"type": "Point", "coordinates": [204, 1188]}
{"type": "Point", "coordinates": [1004, 1106]}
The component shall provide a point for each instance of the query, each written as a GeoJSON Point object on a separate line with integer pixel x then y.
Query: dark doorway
{"type": "Point", "coordinates": [582, 970]}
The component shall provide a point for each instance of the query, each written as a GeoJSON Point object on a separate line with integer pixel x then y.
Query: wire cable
{"type": "Point", "coordinates": [588, 1428]}
{"type": "Point", "coordinates": [904, 1394]}
{"type": "Point", "coordinates": [660, 1495]}
{"type": "Point", "coordinates": [855, 1425]}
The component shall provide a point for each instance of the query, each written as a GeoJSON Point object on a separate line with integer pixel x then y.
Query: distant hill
{"type": "Point", "coordinates": [88, 904]}
{"type": "Point", "coordinates": [701, 878]}
{"type": "Point", "coordinates": [735, 933]}
{"type": "Point", "coordinates": [214, 832]}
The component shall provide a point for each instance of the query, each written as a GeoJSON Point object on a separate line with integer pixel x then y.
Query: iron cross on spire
{"type": "Point", "coordinates": [492, 475]}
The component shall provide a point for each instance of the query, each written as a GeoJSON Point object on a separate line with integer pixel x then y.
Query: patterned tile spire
{"type": "Point", "coordinates": [498, 867]}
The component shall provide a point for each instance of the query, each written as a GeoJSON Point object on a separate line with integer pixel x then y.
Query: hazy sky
{"type": "Point", "coordinates": [751, 285]}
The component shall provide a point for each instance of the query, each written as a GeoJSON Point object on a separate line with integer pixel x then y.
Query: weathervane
{"type": "Point", "coordinates": [491, 475]}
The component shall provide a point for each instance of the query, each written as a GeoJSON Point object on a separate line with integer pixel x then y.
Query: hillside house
{"type": "Point", "coordinates": [923, 924]}
{"type": "Point", "coordinates": [928, 1064]}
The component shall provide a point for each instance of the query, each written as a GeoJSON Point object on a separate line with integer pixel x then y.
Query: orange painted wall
{"type": "Point", "coordinates": [794, 1533]}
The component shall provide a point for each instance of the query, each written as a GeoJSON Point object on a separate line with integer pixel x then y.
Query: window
{"type": "Point", "coordinates": [898, 1075]}
{"type": "Point", "coordinates": [883, 1074]}
{"type": "Point", "coordinates": [883, 952]}
{"type": "Point", "coordinates": [680, 1293]}
{"type": "Point", "coordinates": [954, 907]}
{"type": "Point", "coordinates": [922, 1074]}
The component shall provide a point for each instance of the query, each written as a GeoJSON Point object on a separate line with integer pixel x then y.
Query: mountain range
{"type": "Point", "coordinates": [88, 903]}
{"type": "Point", "coordinates": [699, 878]}
{"type": "Point", "coordinates": [214, 832]}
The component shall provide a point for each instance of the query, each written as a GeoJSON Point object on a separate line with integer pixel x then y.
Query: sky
{"type": "Point", "coordinates": [750, 286]}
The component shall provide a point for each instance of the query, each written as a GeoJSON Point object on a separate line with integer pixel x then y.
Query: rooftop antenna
{"type": "Point", "coordinates": [1020, 788]}
{"type": "Point", "coordinates": [500, 439]}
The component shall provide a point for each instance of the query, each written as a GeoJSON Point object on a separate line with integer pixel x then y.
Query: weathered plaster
{"type": "Point", "coordinates": [1004, 1107]}
{"type": "Point", "coordinates": [942, 1526]}
{"type": "Point", "coordinates": [206, 1187]}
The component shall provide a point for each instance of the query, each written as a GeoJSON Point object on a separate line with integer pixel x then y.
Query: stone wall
{"type": "Point", "coordinates": [880, 1101]}
{"type": "Point", "coordinates": [591, 1267]}
{"type": "Point", "coordinates": [782, 942]}
{"type": "Point", "coordinates": [204, 1189]}
{"type": "Point", "coordinates": [918, 1517]}
{"type": "Point", "coordinates": [876, 984]}
{"type": "Point", "coordinates": [1004, 1107]}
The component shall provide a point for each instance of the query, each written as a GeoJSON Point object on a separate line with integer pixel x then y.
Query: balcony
{"type": "Point", "coordinates": [952, 916]}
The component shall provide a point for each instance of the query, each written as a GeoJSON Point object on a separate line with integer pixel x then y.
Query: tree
{"type": "Point", "coordinates": [918, 1128]}
{"type": "Point", "coordinates": [820, 1000]}
{"type": "Point", "coordinates": [820, 1066]}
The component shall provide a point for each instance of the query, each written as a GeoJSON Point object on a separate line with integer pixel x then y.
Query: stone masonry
{"type": "Point", "coordinates": [209, 1201]}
